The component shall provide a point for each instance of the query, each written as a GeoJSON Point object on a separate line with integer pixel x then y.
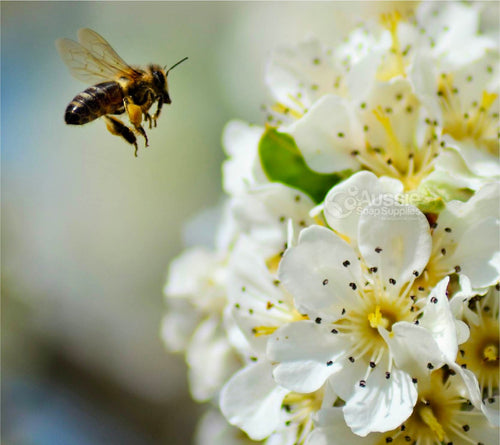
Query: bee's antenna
{"type": "Point", "coordinates": [173, 66]}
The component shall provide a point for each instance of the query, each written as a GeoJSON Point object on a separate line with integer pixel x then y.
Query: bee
{"type": "Point", "coordinates": [119, 88]}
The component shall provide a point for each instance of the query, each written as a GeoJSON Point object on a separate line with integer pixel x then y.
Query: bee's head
{"type": "Point", "coordinates": [160, 82]}
{"type": "Point", "coordinates": [160, 79]}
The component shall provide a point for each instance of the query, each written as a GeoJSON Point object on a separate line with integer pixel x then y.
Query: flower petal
{"type": "Point", "coordinates": [438, 319]}
{"type": "Point", "coordinates": [332, 430]}
{"type": "Point", "coordinates": [317, 271]}
{"type": "Point", "coordinates": [396, 239]}
{"type": "Point", "coordinates": [240, 141]}
{"type": "Point", "coordinates": [307, 354]}
{"type": "Point", "coordinates": [252, 401]}
{"type": "Point", "coordinates": [383, 404]}
{"type": "Point", "coordinates": [263, 213]}
{"type": "Point", "coordinates": [345, 202]}
{"type": "Point", "coordinates": [210, 358]}
{"type": "Point", "coordinates": [327, 134]}
{"type": "Point", "coordinates": [413, 348]}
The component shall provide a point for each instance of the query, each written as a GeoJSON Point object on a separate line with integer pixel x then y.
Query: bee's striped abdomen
{"type": "Point", "coordinates": [95, 101]}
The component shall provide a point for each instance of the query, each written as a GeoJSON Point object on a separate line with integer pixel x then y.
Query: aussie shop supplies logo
{"type": "Point", "coordinates": [383, 205]}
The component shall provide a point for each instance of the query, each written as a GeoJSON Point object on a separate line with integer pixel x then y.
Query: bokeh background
{"type": "Point", "coordinates": [88, 230]}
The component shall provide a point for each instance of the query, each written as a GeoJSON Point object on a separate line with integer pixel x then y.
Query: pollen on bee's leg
{"type": "Point", "coordinates": [134, 112]}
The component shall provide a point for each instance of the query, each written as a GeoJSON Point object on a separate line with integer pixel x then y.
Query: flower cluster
{"type": "Point", "coordinates": [353, 293]}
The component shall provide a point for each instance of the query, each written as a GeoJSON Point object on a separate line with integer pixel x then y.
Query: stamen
{"type": "Point", "coordinates": [376, 319]}
{"type": "Point", "coordinates": [427, 415]}
{"type": "Point", "coordinates": [263, 330]}
{"type": "Point", "coordinates": [286, 111]}
{"type": "Point", "coordinates": [394, 65]}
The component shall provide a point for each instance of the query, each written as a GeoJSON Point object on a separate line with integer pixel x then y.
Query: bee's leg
{"type": "Point", "coordinates": [158, 110]}
{"type": "Point", "coordinates": [118, 128]}
{"type": "Point", "coordinates": [148, 101]}
{"type": "Point", "coordinates": [135, 116]}
{"type": "Point", "coordinates": [148, 118]}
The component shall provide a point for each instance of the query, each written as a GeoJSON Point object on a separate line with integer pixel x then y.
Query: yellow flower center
{"type": "Point", "coordinates": [438, 415]}
{"type": "Point", "coordinates": [300, 409]}
{"type": "Point", "coordinates": [375, 308]}
{"type": "Point", "coordinates": [464, 122]}
{"type": "Point", "coordinates": [407, 164]}
{"type": "Point", "coordinates": [480, 353]}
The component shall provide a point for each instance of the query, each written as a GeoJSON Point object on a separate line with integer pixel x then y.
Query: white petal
{"type": "Point", "coordinates": [242, 169]}
{"type": "Point", "coordinates": [462, 215]}
{"type": "Point", "coordinates": [213, 429]}
{"type": "Point", "coordinates": [439, 321]}
{"type": "Point", "coordinates": [254, 296]}
{"type": "Point", "coordinates": [210, 358]}
{"type": "Point", "coordinates": [317, 271]}
{"type": "Point", "coordinates": [469, 231]}
{"type": "Point", "coordinates": [471, 389]}
{"type": "Point", "coordinates": [252, 401]}
{"type": "Point", "coordinates": [332, 430]}
{"type": "Point", "coordinates": [478, 162]}
{"type": "Point", "coordinates": [292, 72]}
{"type": "Point", "coordinates": [452, 173]}
{"type": "Point", "coordinates": [345, 202]}
{"type": "Point", "coordinates": [491, 410]}
{"type": "Point", "coordinates": [178, 324]}
{"type": "Point", "coordinates": [263, 214]}
{"type": "Point", "coordinates": [413, 348]}
{"type": "Point", "coordinates": [423, 74]}
{"type": "Point", "coordinates": [478, 255]}
{"type": "Point", "coordinates": [459, 304]}
{"type": "Point", "coordinates": [362, 75]}
{"type": "Point", "coordinates": [453, 27]}
{"type": "Point", "coordinates": [327, 135]}
{"type": "Point", "coordinates": [463, 331]}
{"type": "Point", "coordinates": [189, 272]}
{"type": "Point", "coordinates": [307, 354]}
{"type": "Point", "coordinates": [403, 234]}
{"type": "Point", "coordinates": [345, 380]}
{"type": "Point", "coordinates": [383, 404]}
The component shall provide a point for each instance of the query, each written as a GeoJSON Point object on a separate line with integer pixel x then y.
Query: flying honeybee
{"type": "Point", "coordinates": [118, 88]}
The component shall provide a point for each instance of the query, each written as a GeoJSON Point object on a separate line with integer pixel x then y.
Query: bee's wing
{"type": "Point", "coordinates": [92, 60]}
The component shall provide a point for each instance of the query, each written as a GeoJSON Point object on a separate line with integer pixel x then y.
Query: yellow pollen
{"type": "Point", "coordinates": [394, 66]}
{"type": "Point", "coordinates": [488, 99]}
{"type": "Point", "coordinates": [263, 330]}
{"type": "Point", "coordinates": [490, 353]}
{"type": "Point", "coordinates": [427, 415]}
{"type": "Point", "coordinates": [296, 316]}
{"type": "Point", "coordinates": [376, 319]}
{"type": "Point", "coordinates": [287, 111]}
{"type": "Point", "coordinates": [273, 263]}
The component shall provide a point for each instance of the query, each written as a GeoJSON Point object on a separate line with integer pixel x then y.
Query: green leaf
{"type": "Point", "coordinates": [282, 162]}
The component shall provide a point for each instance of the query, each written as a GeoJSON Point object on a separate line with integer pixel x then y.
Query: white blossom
{"type": "Point", "coordinates": [352, 296]}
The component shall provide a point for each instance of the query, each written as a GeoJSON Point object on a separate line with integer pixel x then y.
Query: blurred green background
{"type": "Point", "coordinates": [88, 230]}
